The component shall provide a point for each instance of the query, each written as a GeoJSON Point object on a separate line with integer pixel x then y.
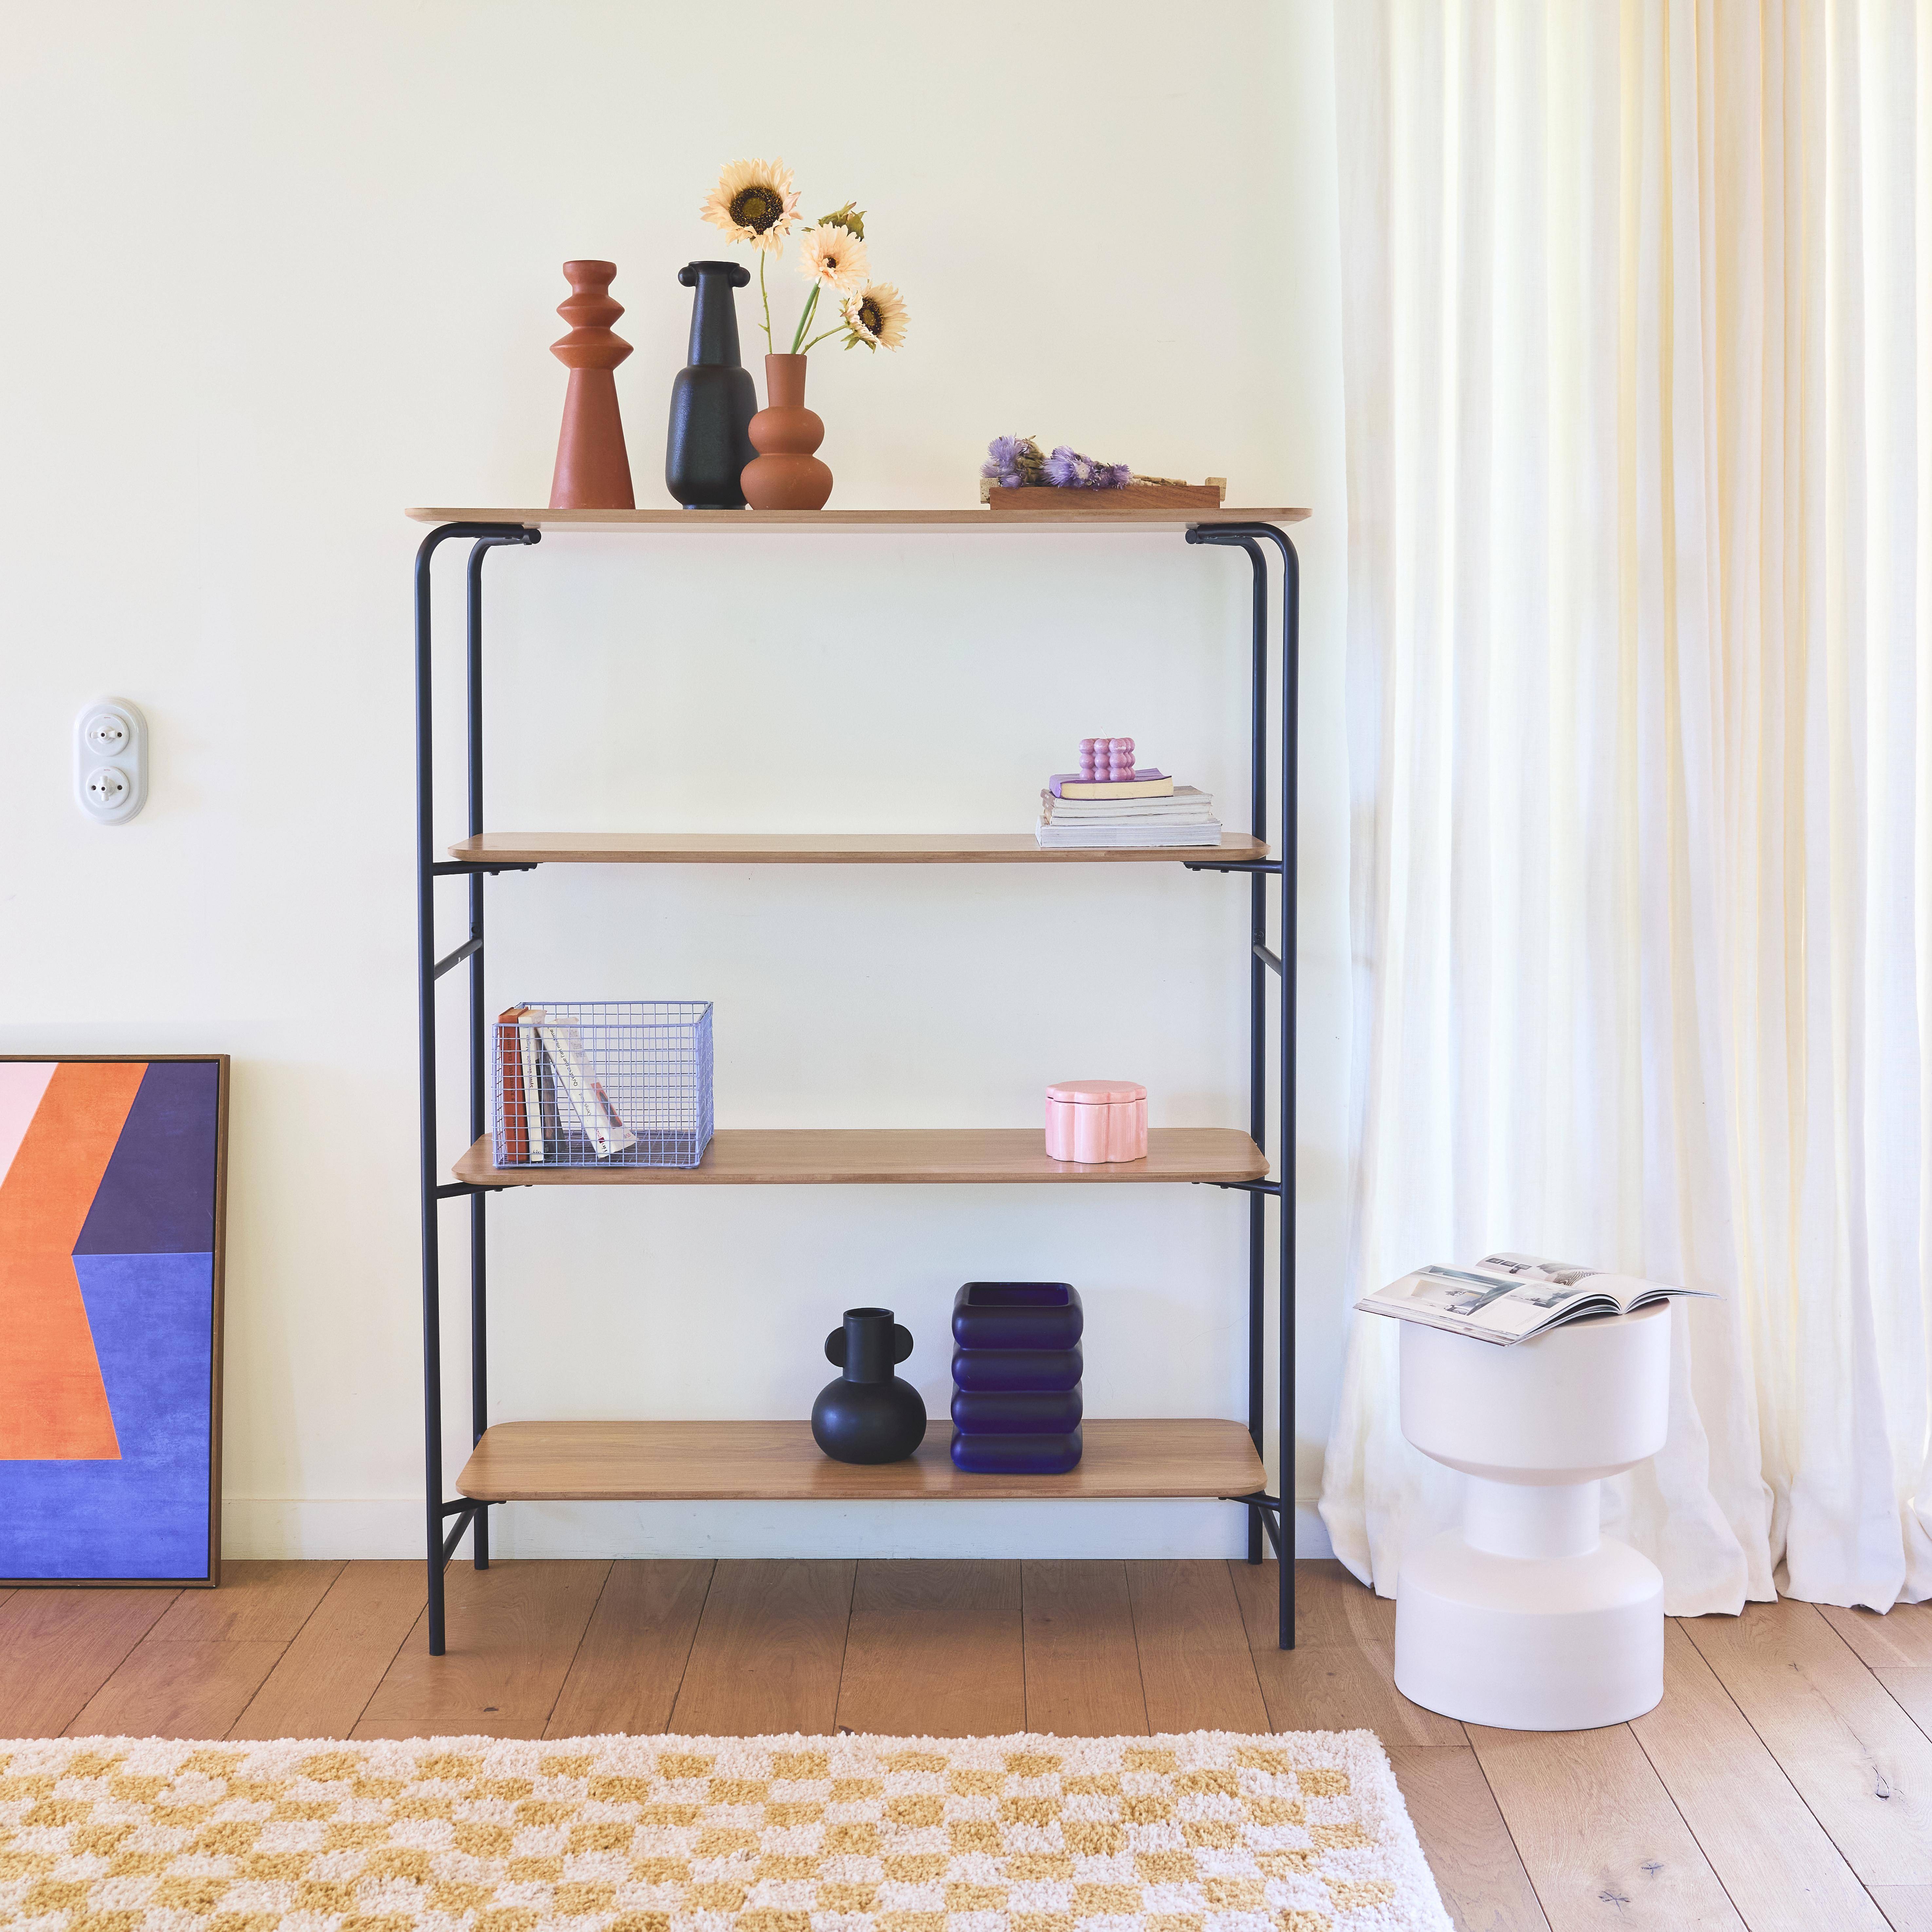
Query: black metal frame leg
{"type": "Point", "coordinates": [1270, 1518]}
{"type": "Point", "coordinates": [442, 1542]}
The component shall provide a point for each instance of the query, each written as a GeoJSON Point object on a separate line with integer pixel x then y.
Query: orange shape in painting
{"type": "Point", "coordinates": [53, 1404]}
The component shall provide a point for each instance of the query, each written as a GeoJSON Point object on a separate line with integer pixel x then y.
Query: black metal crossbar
{"type": "Point", "coordinates": [456, 958]}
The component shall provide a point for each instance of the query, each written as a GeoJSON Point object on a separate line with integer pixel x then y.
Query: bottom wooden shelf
{"type": "Point", "coordinates": [611, 1462]}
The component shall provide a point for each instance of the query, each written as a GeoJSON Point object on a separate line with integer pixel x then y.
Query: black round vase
{"type": "Point", "coordinates": [712, 399]}
{"type": "Point", "coordinates": [868, 1414]}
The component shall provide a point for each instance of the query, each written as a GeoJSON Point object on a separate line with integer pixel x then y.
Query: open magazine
{"type": "Point", "coordinates": [1507, 1297]}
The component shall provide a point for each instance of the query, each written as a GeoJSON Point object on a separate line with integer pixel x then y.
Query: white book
{"type": "Point", "coordinates": [1507, 1297]}
{"type": "Point", "coordinates": [583, 1092]}
{"type": "Point", "coordinates": [1127, 837]}
{"type": "Point", "coordinates": [1202, 817]}
{"type": "Point", "coordinates": [530, 1057]}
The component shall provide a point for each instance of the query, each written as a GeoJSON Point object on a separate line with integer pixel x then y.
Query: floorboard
{"type": "Point", "coordinates": [934, 1650]}
{"type": "Point", "coordinates": [1912, 1691]}
{"type": "Point", "coordinates": [1597, 1832]}
{"type": "Point", "coordinates": [1901, 1639]}
{"type": "Point", "coordinates": [1083, 1676]}
{"type": "Point", "coordinates": [178, 1689]}
{"type": "Point", "coordinates": [59, 1647]}
{"type": "Point", "coordinates": [1340, 1675]}
{"type": "Point", "coordinates": [1197, 1673]}
{"type": "Point", "coordinates": [512, 1630]}
{"type": "Point", "coordinates": [769, 1648]}
{"type": "Point", "coordinates": [1858, 1761]}
{"type": "Point", "coordinates": [1907, 1908]}
{"type": "Point", "coordinates": [257, 1602]}
{"type": "Point", "coordinates": [1468, 1846]}
{"type": "Point", "coordinates": [324, 1680]}
{"type": "Point", "coordinates": [625, 1674]}
{"type": "Point", "coordinates": [1772, 1856]}
{"type": "Point", "coordinates": [369, 1729]}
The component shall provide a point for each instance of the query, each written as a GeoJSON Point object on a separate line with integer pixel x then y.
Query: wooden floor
{"type": "Point", "coordinates": [1785, 1781]}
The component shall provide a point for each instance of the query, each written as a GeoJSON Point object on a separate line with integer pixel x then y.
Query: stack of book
{"type": "Point", "coordinates": [551, 1106]}
{"type": "Point", "coordinates": [1148, 810]}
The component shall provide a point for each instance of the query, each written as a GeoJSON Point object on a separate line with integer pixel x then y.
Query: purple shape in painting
{"type": "Point", "coordinates": [158, 1196]}
{"type": "Point", "coordinates": [145, 1515]}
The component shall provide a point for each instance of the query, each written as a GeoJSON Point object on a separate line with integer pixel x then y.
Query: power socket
{"type": "Point", "coordinates": [110, 760]}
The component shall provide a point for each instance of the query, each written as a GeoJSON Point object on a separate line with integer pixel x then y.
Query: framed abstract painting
{"type": "Point", "coordinates": [112, 1181]}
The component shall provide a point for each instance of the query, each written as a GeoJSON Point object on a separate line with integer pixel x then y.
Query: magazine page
{"type": "Point", "coordinates": [1626, 1291]}
{"type": "Point", "coordinates": [1506, 1296]}
{"type": "Point", "coordinates": [1488, 1306]}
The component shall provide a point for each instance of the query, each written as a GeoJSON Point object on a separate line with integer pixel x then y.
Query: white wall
{"type": "Point", "coordinates": [275, 273]}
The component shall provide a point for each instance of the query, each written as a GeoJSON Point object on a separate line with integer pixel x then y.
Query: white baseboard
{"type": "Point", "coordinates": [1311, 1533]}
{"type": "Point", "coordinates": [349, 1527]}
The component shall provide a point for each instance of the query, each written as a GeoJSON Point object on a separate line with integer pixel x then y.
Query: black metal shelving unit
{"type": "Point", "coordinates": [1269, 1515]}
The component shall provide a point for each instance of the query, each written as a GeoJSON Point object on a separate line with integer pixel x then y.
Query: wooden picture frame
{"type": "Point", "coordinates": [114, 1167]}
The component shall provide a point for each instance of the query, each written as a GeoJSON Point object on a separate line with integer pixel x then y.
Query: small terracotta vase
{"type": "Point", "coordinates": [785, 475]}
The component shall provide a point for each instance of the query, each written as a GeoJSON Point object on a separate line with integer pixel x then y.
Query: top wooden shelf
{"type": "Point", "coordinates": [856, 519]}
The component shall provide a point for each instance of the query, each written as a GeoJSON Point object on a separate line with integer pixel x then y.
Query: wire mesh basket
{"type": "Point", "coordinates": [615, 1083]}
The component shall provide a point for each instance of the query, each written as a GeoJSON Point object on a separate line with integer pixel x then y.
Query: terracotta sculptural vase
{"type": "Point", "coordinates": [785, 475]}
{"type": "Point", "coordinates": [868, 1414]}
{"type": "Point", "coordinates": [593, 471]}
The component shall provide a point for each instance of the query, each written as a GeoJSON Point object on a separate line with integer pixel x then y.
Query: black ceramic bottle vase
{"type": "Point", "coordinates": [712, 398]}
{"type": "Point", "coordinates": [868, 1414]}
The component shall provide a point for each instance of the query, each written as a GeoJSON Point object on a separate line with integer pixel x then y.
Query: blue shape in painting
{"type": "Point", "coordinates": [158, 1196]}
{"type": "Point", "coordinates": [146, 1515]}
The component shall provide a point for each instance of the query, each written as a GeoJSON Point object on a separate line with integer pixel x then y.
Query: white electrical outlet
{"type": "Point", "coordinates": [110, 760]}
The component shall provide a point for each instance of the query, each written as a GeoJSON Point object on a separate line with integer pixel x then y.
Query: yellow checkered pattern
{"type": "Point", "coordinates": [1208, 1833]}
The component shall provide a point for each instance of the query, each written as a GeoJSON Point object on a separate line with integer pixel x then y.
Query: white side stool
{"type": "Point", "coordinates": [1526, 1617]}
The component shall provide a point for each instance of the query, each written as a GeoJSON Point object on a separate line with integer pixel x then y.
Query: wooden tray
{"type": "Point", "coordinates": [1035, 499]}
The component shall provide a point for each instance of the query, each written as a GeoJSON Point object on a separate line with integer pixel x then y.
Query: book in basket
{"type": "Point", "coordinates": [1507, 1298]}
{"type": "Point", "coordinates": [580, 1090]}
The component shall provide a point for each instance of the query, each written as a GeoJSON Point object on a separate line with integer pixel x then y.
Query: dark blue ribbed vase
{"type": "Point", "coordinates": [1016, 1367]}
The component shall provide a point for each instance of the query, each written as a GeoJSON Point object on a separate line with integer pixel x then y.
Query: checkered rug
{"type": "Point", "coordinates": [1208, 1832]}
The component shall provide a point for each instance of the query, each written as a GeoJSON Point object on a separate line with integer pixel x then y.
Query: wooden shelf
{"type": "Point", "coordinates": [982, 519]}
{"type": "Point", "coordinates": [816, 848]}
{"type": "Point", "coordinates": [613, 1462]}
{"type": "Point", "coordinates": [832, 1156]}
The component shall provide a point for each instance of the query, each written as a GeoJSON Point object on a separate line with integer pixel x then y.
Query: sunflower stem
{"type": "Point", "coordinates": [805, 319]}
{"type": "Point", "coordinates": [764, 297]}
{"type": "Point", "coordinates": [817, 339]}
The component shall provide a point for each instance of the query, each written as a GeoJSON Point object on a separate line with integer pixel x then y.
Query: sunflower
{"type": "Point", "coordinates": [754, 202]}
{"type": "Point", "coordinates": [833, 257]}
{"type": "Point", "coordinates": [876, 316]}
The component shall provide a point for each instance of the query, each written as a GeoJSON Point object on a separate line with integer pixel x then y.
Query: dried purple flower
{"type": "Point", "coordinates": [1068, 470]}
{"type": "Point", "coordinates": [1013, 462]}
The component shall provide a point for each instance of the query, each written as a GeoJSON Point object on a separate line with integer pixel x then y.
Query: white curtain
{"type": "Point", "coordinates": [1638, 318]}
